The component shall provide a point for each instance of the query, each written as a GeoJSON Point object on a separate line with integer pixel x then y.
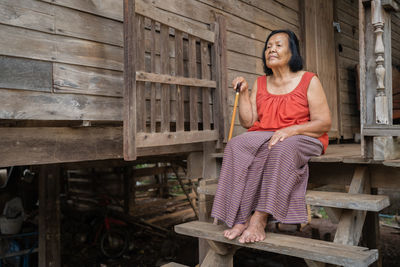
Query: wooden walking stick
{"type": "Point", "coordinates": [234, 110]}
{"type": "Point", "coordinates": [232, 121]}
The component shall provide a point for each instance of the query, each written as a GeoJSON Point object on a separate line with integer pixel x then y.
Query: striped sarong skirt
{"type": "Point", "coordinates": [274, 180]}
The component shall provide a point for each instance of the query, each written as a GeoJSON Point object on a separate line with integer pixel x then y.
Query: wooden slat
{"type": "Point", "coordinates": [222, 78]}
{"type": "Point", "coordinates": [289, 245]}
{"type": "Point", "coordinates": [23, 105]}
{"type": "Point", "coordinates": [129, 81]}
{"type": "Point", "coordinates": [153, 86]}
{"type": "Point", "coordinates": [86, 80]}
{"type": "Point", "coordinates": [82, 25]}
{"type": "Point", "coordinates": [174, 21]}
{"type": "Point", "coordinates": [165, 69]}
{"type": "Point", "coordinates": [20, 42]}
{"type": "Point", "coordinates": [29, 14]}
{"type": "Point", "coordinates": [332, 199]}
{"type": "Point", "coordinates": [25, 74]}
{"type": "Point", "coordinates": [258, 16]}
{"type": "Point", "coordinates": [193, 91]}
{"type": "Point", "coordinates": [106, 8]}
{"type": "Point", "coordinates": [178, 80]}
{"type": "Point", "coordinates": [173, 138]}
{"type": "Point", "coordinates": [140, 66]}
{"type": "Point", "coordinates": [43, 145]}
{"type": "Point", "coordinates": [347, 200]}
{"type": "Point", "coordinates": [205, 74]}
{"type": "Point", "coordinates": [180, 109]}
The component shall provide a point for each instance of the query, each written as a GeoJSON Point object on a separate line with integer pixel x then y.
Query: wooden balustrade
{"type": "Point", "coordinates": [176, 94]}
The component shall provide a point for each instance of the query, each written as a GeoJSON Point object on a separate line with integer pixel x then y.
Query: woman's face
{"type": "Point", "coordinates": [278, 52]}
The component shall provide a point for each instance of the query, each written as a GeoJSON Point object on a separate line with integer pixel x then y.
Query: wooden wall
{"type": "Point", "coordinates": [60, 62]}
{"type": "Point", "coordinates": [396, 39]}
{"type": "Point", "coordinates": [347, 51]}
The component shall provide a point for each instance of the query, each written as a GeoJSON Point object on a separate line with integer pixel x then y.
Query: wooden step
{"type": "Point", "coordinates": [331, 199]}
{"type": "Point", "coordinates": [174, 264]}
{"type": "Point", "coordinates": [306, 248]}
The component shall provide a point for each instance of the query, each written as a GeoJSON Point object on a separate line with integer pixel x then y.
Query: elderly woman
{"type": "Point", "coordinates": [265, 171]}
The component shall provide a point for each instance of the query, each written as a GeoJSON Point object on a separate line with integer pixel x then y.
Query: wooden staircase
{"type": "Point", "coordinates": [348, 210]}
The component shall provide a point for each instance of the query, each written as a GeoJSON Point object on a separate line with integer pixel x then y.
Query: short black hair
{"type": "Point", "coordinates": [295, 62]}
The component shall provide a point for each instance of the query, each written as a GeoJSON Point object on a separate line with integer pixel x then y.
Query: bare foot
{"type": "Point", "coordinates": [235, 231]}
{"type": "Point", "coordinates": [256, 230]}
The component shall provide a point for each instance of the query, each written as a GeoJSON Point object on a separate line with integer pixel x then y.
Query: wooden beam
{"type": "Point", "coordinates": [174, 138]}
{"type": "Point", "coordinates": [43, 145]}
{"type": "Point", "coordinates": [49, 216]}
{"type": "Point", "coordinates": [129, 80]}
{"type": "Point", "coordinates": [169, 79]}
{"type": "Point", "coordinates": [352, 221]}
{"type": "Point", "coordinates": [393, 130]}
{"type": "Point", "coordinates": [390, 5]}
{"type": "Point", "coordinates": [176, 22]}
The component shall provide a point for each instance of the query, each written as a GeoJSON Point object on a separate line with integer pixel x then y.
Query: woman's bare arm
{"type": "Point", "coordinates": [247, 104]}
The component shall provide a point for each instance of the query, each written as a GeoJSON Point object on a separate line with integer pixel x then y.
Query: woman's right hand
{"type": "Point", "coordinates": [244, 86]}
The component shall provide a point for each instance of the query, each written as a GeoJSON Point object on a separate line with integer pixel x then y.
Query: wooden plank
{"type": "Point", "coordinates": [254, 15]}
{"type": "Point", "coordinates": [204, 13]}
{"type": "Point", "coordinates": [43, 145]}
{"type": "Point", "coordinates": [23, 105]}
{"type": "Point", "coordinates": [180, 109]}
{"type": "Point", "coordinates": [153, 86]}
{"type": "Point", "coordinates": [288, 245]}
{"type": "Point", "coordinates": [140, 66]}
{"type": "Point", "coordinates": [332, 199]}
{"type": "Point", "coordinates": [351, 222]}
{"type": "Point", "coordinates": [19, 42]}
{"type": "Point", "coordinates": [173, 138]}
{"type": "Point", "coordinates": [193, 91]}
{"type": "Point", "coordinates": [30, 15]}
{"type": "Point", "coordinates": [291, 4]}
{"type": "Point", "coordinates": [347, 200]}
{"type": "Point", "coordinates": [393, 130]}
{"type": "Point", "coordinates": [244, 45]}
{"type": "Point", "coordinates": [130, 126]}
{"type": "Point", "coordinates": [174, 21]}
{"type": "Point", "coordinates": [222, 78]}
{"type": "Point", "coordinates": [22, 146]}
{"type": "Point", "coordinates": [49, 216]}
{"type": "Point", "coordinates": [205, 74]}
{"type": "Point", "coordinates": [169, 79]}
{"type": "Point", "coordinates": [272, 8]}
{"type": "Point", "coordinates": [83, 25]}
{"type": "Point", "coordinates": [86, 80]}
{"type": "Point", "coordinates": [165, 69]}
{"type": "Point", "coordinates": [106, 8]}
{"type": "Point", "coordinates": [173, 264]}
{"type": "Point", "coordinates": [25, 74]}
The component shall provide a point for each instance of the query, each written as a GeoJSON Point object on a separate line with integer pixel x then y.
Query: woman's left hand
{"type": "Point", "coordinates": [281, 135]}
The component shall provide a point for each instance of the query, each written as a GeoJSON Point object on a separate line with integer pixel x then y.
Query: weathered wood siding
{"type": "Point", "coordinates": [396, 39]}
{"type": "Point", "coordinates": [347, 47]}
{"type": "Point", "coordinates": [60, 62]}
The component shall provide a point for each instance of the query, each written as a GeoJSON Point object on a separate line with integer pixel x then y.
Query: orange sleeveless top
{"type": "Point", "coordinates": [279, 111]}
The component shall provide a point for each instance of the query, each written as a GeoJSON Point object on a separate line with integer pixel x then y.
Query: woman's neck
{"type": "Point", "coordinates": [281, 73]}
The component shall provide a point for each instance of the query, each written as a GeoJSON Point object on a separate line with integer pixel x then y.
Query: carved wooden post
{"type": "Point", "coordinates": [381, 101]}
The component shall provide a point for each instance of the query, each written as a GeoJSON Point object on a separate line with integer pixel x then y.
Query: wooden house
{"type": "Point", "coordinates": [108, 80]}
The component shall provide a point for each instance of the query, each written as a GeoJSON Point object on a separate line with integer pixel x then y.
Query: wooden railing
{"type": "Point", "coordinates": [174, 79]}
{"type": "Point", "coordinates": [376, 100]}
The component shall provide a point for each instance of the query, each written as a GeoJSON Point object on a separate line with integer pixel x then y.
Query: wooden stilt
{"type": "Point", "coordinates": [49, 216]}
{"type": "Point", "coordinates": [213, 259]}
